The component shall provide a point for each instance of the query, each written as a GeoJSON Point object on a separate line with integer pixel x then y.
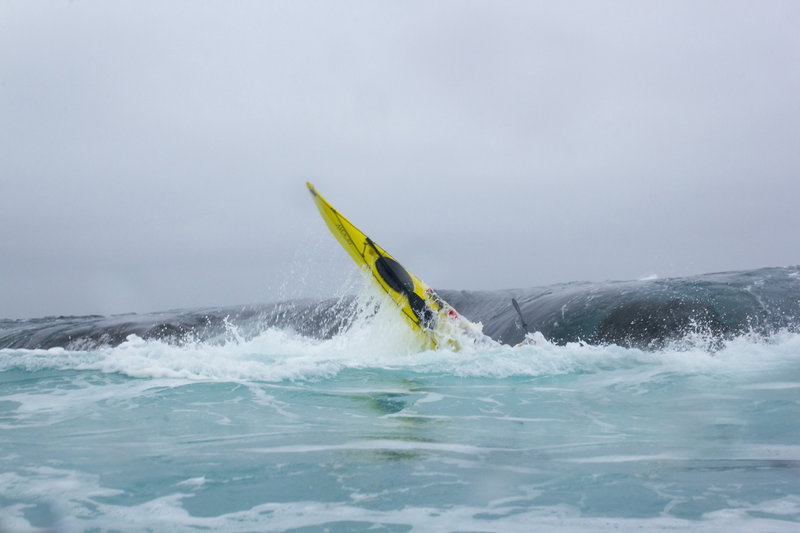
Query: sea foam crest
{"type": "Point", "coordinates": [377, 337]}
{"type": "Point", "coordinates": [280, 355]}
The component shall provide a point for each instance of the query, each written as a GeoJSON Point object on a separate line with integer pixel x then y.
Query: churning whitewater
{"type": "Point", "coordinates": [655, 404]}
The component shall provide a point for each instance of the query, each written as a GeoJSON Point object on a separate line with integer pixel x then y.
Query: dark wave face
{"type": "Point", "coordinates": [646, 314]}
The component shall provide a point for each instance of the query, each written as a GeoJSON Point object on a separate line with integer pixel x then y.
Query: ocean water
{"type": "Point", "coordinates": [255, 423]}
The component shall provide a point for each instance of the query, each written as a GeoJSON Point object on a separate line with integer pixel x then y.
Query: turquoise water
{"type": "Point", "coordinates": [281, 432]}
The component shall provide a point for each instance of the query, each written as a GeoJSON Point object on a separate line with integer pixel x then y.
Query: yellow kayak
{"type": "Point", "coordinates": [433, 319]}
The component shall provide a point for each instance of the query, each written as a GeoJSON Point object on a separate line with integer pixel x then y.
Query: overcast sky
{"type": "Point", "coordinates": [153, 155]}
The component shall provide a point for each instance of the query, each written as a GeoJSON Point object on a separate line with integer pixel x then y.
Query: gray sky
{"type": "Point", "coordinates": [153, 155]}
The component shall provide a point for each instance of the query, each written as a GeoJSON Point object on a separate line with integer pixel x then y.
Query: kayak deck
{"type": "Point", "coordinates": [433, 319]}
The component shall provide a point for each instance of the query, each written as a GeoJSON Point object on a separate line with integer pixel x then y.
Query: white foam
{"type": "Point", "coordinates": [602, 459]}
{"type": "Point", "coordinates": [431, 397]}
{"type": "Point", "coordinates": [193, 482]}
{"type": "Point", "coordinates": [381, 444]}
{"type": "Point", "coordinates": [379, 338]}
{"type": "Point", "coordinates": [779, 385]}
{"type": "Point", "coordinates": [45, 407]}
{"type": "Point", "coordinates": [80, 502]}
